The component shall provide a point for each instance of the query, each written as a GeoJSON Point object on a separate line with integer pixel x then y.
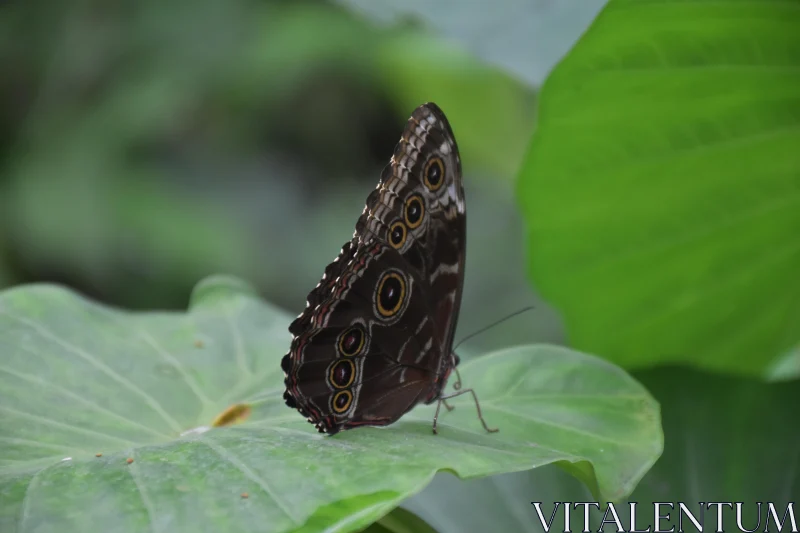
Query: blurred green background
{"type": "Point", "coordinates": [144, 146]}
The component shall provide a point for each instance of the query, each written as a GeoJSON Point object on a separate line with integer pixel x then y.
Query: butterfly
{"type": "Point", "coordinates": [376, 336]}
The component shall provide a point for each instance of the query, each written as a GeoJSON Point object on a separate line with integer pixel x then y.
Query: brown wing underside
{"type": "Point", "coordinates": [407, 354]}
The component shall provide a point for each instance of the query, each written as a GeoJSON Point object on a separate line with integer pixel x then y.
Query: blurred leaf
{"type": "Point", "coordinates": [726, 439]}
{"type": "Point", "coordinates": [146, 162]}
{"type": "Point", "coordinates": [495, 284]}
{"type": "Point", "coordinates": [491, 114]}
{"type": "Point", "coordinates": [85, 204]}
{"type": "Point", "coordinates": [79, 379]}
{"type": "Point", "coordinates": [400, 521]}
{"type": "Point", "coordinates": [299, 42]}
{"type": "Point", "coordinates": [496, 503]}
{"type": "Point", "coordinates": [661, 189]}
{"type": "Point", "coordinates": [5, 276]}
{"type": "Point", "coordinates": [786, 367]}
{"type": "Point", "coordinates": [293, 41]}
{"type": "Point", "coordinates": [70, 215]}
{"type": "Point", "coordinates": [525, 38]}
{"type": "Point", "coordinates": [187, 237]}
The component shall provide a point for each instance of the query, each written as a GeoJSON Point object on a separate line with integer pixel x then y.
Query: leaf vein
{"type": "Point", "coordinates": [102, 367]}
{"type": "Point", "coordinates": [55, 423]}
{"type": "Point", "coordinates": [241, 355]}
{"type": "Point", "coordinates": [26, 499]}
{"type": "Point", "coordinates": [133, 470]}
{"type": "Point", "coordinates": [550, 423]}
{"type": "Point", "coordinates": [88, 403]}
{"type": "Point", "coordinates": [66, 450]}
{"type": "Point", "coordinates": [235, 462]}
{"type": "Point", "coordinates": [177, 365]}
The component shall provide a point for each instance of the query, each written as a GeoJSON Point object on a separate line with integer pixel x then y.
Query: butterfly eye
{"type": "Point", "coordinates": [342, 374]}
{"type": "Point", "coordinates": [391, 294]}
{"type": "Point", "coordinates": [397, 235]}
{"type": "Point", "coordinates": [351, 342]}
{"type": "Point", "coordinates": [434, 173]}
{"type": "Point", "coordinates": [415, 210]}
{"type": "Point", "coordinates": [342, 400]}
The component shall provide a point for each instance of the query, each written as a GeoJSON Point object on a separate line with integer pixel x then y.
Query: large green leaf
{"type": "Point", "coordinates": [726, 439]}
{"type": "Point", "coordinates": [77, 379]}
{"type": "Point", "coordinates": [662, 187]}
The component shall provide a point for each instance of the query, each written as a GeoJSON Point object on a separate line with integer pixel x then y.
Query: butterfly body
{"type": "Point", "coordinates": [376, 336]}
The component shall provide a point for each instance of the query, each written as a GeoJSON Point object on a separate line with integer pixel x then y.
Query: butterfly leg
{"type": "Point", "coordinates": [457, 384]}
{"type": "Point", "coordinates": [477, 406]}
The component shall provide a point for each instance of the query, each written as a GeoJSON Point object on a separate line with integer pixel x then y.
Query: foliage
{"type": "Point", "coordinates": [727, 439]}
{"type": "Point", "coordinates": [156, 144]}
{"type": "Point", "coordinates": [144, 147]}
{"type": "Point", "coordinates": [661, 210]}
{"type": "Point", "coordinates": [80, 379]}
{"type": "Point", "coordinates": [661, 189]}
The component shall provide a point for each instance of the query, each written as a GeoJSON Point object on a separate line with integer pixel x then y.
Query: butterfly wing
{"type": "Point", "coordinates": [361, 359]}
{"type": "Point", "coordinates": [425, 163]}
{"type": "Point", "coordinates": [375, 337]}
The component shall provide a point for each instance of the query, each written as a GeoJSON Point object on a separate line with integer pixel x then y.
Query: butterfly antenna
{"type": "Point", "coordinates": [457, 384]}
{"type": "Point", "coordinates": [493, 324]}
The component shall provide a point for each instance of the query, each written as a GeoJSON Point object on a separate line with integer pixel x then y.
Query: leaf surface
{"type": "Point", "coordinates": [78, 380]}
{"type": "Point", "coordinates": [661, 191]}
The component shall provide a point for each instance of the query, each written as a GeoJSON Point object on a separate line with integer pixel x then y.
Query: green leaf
{"type": "Point", "coordinates": [400, 521]}
{"type": "Point", "coordinates": [785, 367]}
{"type": "Point", "coordinates": [728, 439]}
{"type": "Point", "coordinates": [661, 188]}
{"type": "Point", "coordinates": [77, 379]}
{"type": "Point", "coordinates": [165, 233]}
